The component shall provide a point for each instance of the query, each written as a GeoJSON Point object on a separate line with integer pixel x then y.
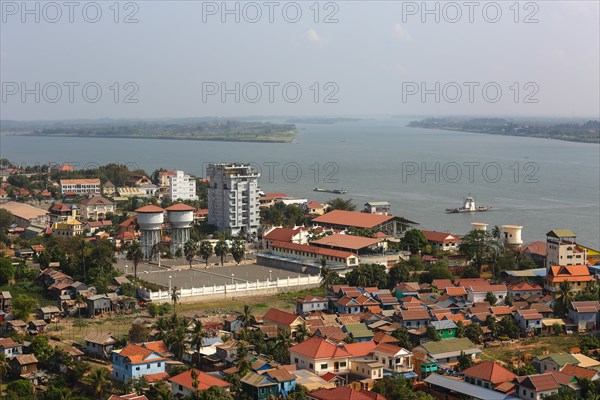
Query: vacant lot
{"type": "Point", "coordinates": [533, 347]}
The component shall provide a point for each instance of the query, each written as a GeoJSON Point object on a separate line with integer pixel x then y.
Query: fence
{"type": "Point", "coordinates": [236, 289]}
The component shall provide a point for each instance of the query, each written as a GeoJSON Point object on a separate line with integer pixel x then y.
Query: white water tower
{"type": "Point", "coordinates": [149, 218]}
{"type": "Point", "coordinates": [512, 235]}
{"type": "Point", "coordinates": [180, 216]}
{"type": "Point", "coordinates": [479, 226]}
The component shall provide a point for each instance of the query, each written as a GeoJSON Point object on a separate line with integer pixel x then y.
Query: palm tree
{"type": "Point", "coordinates": [205, 251]}
{"type": "Point", "coordinates": [190, 248]}
{"type": "Point", "coordinates": [566, 295]}
{"type": "Point", "coordinates": [83, 247]}
{"type": "Point", "coordinates": [328, 277]}
{"type": "Point", "coordinates": [178, 342]}
{"type": "Point", "coordinates": [198, 335]}
{"type": "Point", "coordinates": [247, 317]}
{"type": "Point", "coordinates": [283, 342]}
{"type": "Point", "coordinates": [174, 297]}
{"type": "Point", "coordinates": [238, 251]}
{"type": "Point", "coordinates": [135, 254]}
{"type": "Point", "coordinates": [99, 380]}
{"type": "Point", "coordinates": [221, 250]}
{"type": "Point", "coordinates": [302, 332]}
{"type": "Point", "coordinates": [79, 301]}
{"type": "Point", "coordinates": [163, 328]}
{"type": "Point", "coordinates": [163, 392]}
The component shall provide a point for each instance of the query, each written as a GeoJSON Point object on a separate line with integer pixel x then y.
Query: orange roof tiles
{"type": "Point", "coordinates": [313, 250]}
{"type": "Point", "coordinates": [490, 371]}
{"type": "Point", "coordinates": [205, 380]}
{"type": "Point", "coordinates": [149, 209]}
{"type": "Point", "coordinates": [361, 349]}
{"type": "Point", "coordinates": [180, 207]}
{"type": "Point", "coordinates": [280, 317]}
{"type": "Point", "coordinates": [440, 237]}
{"type": "Point", "coordinates": [352, 218]}
{"type": "Point", "coordinates": [346, 241]}
{"type": "Point", "coordinates": [317, 347]}
{"type": "Point", "coordinates": [281, 234]}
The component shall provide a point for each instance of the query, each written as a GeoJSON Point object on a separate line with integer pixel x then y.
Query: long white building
{"type": "Point", "coordinates": [182, 187]}
{"type": "Point", "coordinates": [233, 198]}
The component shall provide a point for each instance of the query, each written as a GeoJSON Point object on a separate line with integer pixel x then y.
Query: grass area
{"type": "Point", "coordinates": [533, 347]}
{"type": "Point", "coordinates": [30, 289]}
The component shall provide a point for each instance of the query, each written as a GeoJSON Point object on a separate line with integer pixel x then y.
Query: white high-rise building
{"type": "Point", "coordinates": [182, 187]}
{"type": "Point", "coordinates": [233, 198]}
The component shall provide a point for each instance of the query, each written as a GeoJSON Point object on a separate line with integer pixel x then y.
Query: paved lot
{"type": "Point", "coordinates": [199, 275]}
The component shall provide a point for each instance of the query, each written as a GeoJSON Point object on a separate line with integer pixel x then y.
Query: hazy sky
{"type": "Point", "coordinates": [376, 59]}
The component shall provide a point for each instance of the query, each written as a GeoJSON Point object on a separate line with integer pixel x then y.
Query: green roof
{"type": "Point", "coordinates": [358, 330]}
{"type": "Point", "coordinates": [560, 359]}
{"type": "Point", "coordinates": [448, 345]}
{"type": "Point", "coordinates": [558, 233]}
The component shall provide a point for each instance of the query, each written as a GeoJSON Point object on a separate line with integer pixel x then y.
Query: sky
{"type": "Point", "coordinates": [159, 59]}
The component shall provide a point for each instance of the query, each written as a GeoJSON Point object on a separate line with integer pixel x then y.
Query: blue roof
{"type": "Point", "coordinates": [466, 389]}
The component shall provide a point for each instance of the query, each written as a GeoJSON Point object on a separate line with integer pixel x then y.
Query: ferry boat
{"type": "Point", "coordinates": [336, 191]}
{"type": "Point", "coordinates": [468, 206]}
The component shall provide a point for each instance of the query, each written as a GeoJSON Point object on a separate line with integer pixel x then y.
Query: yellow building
{"type": "Point", "coordinates": [69, 227]}
{"type": "Point", "coordinates": [578, 277]}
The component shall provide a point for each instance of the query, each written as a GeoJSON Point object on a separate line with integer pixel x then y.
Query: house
{"type": "Point", "coordinates": [232, 324]}
{"type": "Point", "coordinates": [394, 358]}
{"type": "Point", "coordinates": [98, 305]}
{"type": "Point", "coordinates": [320, 356]}
{"type": "Point", "coordinates": [524, 288]}
{"type": "Point", "coordinates": [535, 251]}
{"type": "Point", "coordinates": [99, 344]}
{"type": "Point", "coordinates": [405, 289]}
{"type": "Point", "coordinates": [228, 351]}
{"type": "Point", "coordinates": [96, 208]}
{"type": "Point", "coordinates": [358, 332]}
{"type": "Point", "coordinates": [578, 277]}
{"type": "Point", "coordinates": [586, 314]}
{"type": "Point", "coordinates": [477, 292]}
{"type": "Point", "coordinates": [23, 364]}
{"type": "Point", "coordinates": [446, 387]}
{"type": "Point", "coordinates": [446, 328]}
{"type": "Point", "coordinates": [259, 387]}
{"type": "Point", "coordinates": [344, 393]}
{"type": "Point", "coordinates": [309, 304]}
{"type": "Point", "coordinates": [489, 375]}
{"type": "Point", "coordinates": [36, 326]}
{"type": "Point", "coordinates": [553, 362]}
{"type": "Point", "coordinates": [316, 208]}
{"type": "Point", "coordinates": [284, 320]}
{"type": "Point", "coordinates": [348, 305]}
{"type": "Point", "coordinates": [366, 369]}
{"type": "Point", "coordinates": [414, 318]}
{"type": "Point", "coordinates": [108, 189]}
{"type": "Point", "coordinates": [131, 396]}
{"type": "Point", "coordinates": [49, 313]}
{"type": "Point", "coordinates": [182, 385]}
{"type": "Point", "coordinates": [10, 348]}
{"type": "Point", "coordinates": [5, 300]}
{"type": "Point", "coordinates": [446, 351]}
{"type": "Point", "coordinates": [15, 325]}
{"type": "Point", "coordinates": [535, 387]}
{"type": "Point", "coordinates": [285, 379]}
{"type": "Point", "coordinates": [529, 320]}
{"type": "Point", "coordinates": [442, 240]}
{"type": "Point", "coordinates": [134, 361]}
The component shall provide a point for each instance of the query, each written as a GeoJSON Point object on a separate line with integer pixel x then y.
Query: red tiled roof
{"type": "Point", "coordinates": [280, 317]}
{"type": "Point", "coordinates": [149, 209]}
{"type": "Point", "coordinates": [388, 348]}
{"type": "Point", "coordinates": [524, 286]}
{"type": "Point", "coordinates": [440, 237]}
{"type": "Point", "coordinates": [361, 349]}
{"type": "Point", "coordinates": [412, 315]}
{"type": "Point", "coordinates": [137, 354]}
{"type": "Point", "coordinates": [282, 234]}
{"type": "Point", "coordinates": [456, 291]}
{"type": "Point", "coordinates": [345, 393]}
{"type": "Point", "coordinates": [579, 372]}
{"type": "Point", "coordinates": [159, 376]}
{"type": "Point", "coordinates": [352, 218]}
{"type": "Point", "coordinates": [313, 250]}
{"type": "Point", "coordinates": [538, 248]}
{"type": "Point", "coordinates": [317, 347]}
{"type": "Point", "coordinates": [346, 241]}
{"type": "Point", "coordinates": [275, 195]}
{"type": "Point", "coordinates": [382, 337]}
{"type": "Point", "coordinates": [205, 380]}
{"type": "Point", "coordinates": [490, 371]}
{"type": "Point", "coordinates": [540, 383]}
{"type": "Point", "coordinates": [314, 204]}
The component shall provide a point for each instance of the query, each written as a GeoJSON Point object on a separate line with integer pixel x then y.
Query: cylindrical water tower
{"type": "Point", "coordinates": [479, 226]}
{"type": "Point", "coordinates": [512, 235]}
{"type": "Point", "coordinates": [149, 218]}
{"type": "Point", "coordinates": [180, 216]}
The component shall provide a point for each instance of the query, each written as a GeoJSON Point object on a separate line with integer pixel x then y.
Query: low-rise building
{"type": "Point", "coordinates": [310, 304]}
{"type": "Point", "coordinates": [10, 348]}
{"type": "Point", "coordinates": [26, 215]}
{"type": "Point", "coordinates": [553, 362]}
{"type": "Point", "coordinates": [529, 320]}
{"type": "Point", "coordinates": [394, 358]}
{"type": "Point", "coordinates": [96, 208]}
{"type": "Point", "coordinates": [134, 361]}
{"type": "Point", "coordinates": [182, 385]}
{"type": "Point", "coordinates": [586, 314]}
{"type": "Point", "coordinates": [99, 344]}
{"type": "Point", "coordinates": [447, 351]}
{"type": "Point", "coordinates": [23, 364]}
{"type": "Point", "coordinates": [535, 387]}
{"type": "Point", "coordinates": [443, 241]}
{"type": "Point", "coordinates": [260, 387]}
{"type": "Point", "coordinates": [80, 186]}
{"type": "Point", "coordinates": [320, 356]}
{"type": "Point", "coordinates": [284, 320]}
{"type": "Point", "coordinates": [489, 375]}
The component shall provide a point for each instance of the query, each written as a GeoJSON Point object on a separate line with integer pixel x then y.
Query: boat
{"type": "Point", "coordinates": [336, 191]}
{"type": "Point", "coordinates": [468, 207]}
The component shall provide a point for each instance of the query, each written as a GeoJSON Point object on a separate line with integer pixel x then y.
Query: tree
{"type": "Point", "coordinates": [174, 297]}
{"type": "Point", "coordinates": [474, 333]}
{"type": "Point", "coordinates": [328, 277]}
{"type": "Point", "coordinates": [221, 250]}
{"type": "Point", "coordinates": [433, 334]}
{"type": "Point", "coordinates": [491, 298]}
{"type": "Point", "coordinates": [401, 334]}
{"type": "Point", "coordinates": [178, 341]}
{"type": "Point", "coordinates": [302, 332]}
{"type": "Point", "coordinates": [42, 350]}
{"type": "Point", "coordinates": [557, 329]}
{"type": "Point", "coordinates": [415, 241]}
{"type": "Point", "coordinates": [197, 335]}
{"type": "Point", "coordinates": [479, 246]}
{"type": "Point", "coordinates": [98, 380]}
{"type": "Point", "coordinates": [464, 361]}
{"type": "Point", "coordinates": [460, 329]}
{"type": "Point", "coordinates": [368, 275]}
{"type": "Point", "coordinates": [398, 273]}
{"type": "Point", "coordinates": [283, 342]}
{"type": "Point", "coordinates": [23, 306]}
{"type": "Point", "coordinates": [561, 307]}
{"type": "Point", "coordinates": [6, 219]}
{"type": "Point", "coordinates": [190, 248]}
{"type": "Point", "coordinates": [7, 270]}
{"type": "Point", "coordinates": [205, 251]}
{"type": "Point", "coordinates": [439, 270]}
{"type": "Point", "coordinates": [135, 255]}
{"type": "Point", "coordinates": [340, 204]}
{"type": "Point", "coordinates": [509, 328]}
{"type": "Point", "coordinates": [247, 316]}
{"type": "Point", "coordinates": [241, 359]}
{"type": "Point", "coordinates": [238, 250]}
{"type": "Point", "coordinates": [397, 387]}
{"type": "Point", "coordinates": [3, 368]}
{"type": "Point", "coordinates": [83, 247]}
{"type": "Point", "coordinates": [21, 389]}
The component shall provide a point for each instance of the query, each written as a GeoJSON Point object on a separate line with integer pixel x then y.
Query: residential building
{"type": "Point", "coordinates": [368, 369]}
{"type": "Point", "coordinates": [26, 215]}
{"type": "Point", "coordinates": [134, 361]}
{"type": "Point", "coordinates": [442, 240]}
{"type": "Point", "coordinates": [316, 208]}
{"type": "Point", "coordinates": [524, 289]}
{"type": "Point", "coordinates": [344, 393]}
{"type": "Point", "coordinates": [529, 320]}
{"type": "Point", "coordinates": [260, 387]}
{"type": "Point", "coordinates": [358, 332]}
{"type": "Point", "coordinates": [69, 227]}
{"type": "Point", "coordinates": [489, 375]}
{"type": "Point", "coordinates": [578, 277]}
{"type": "Point", "coordinates": [108, 189]}
{"type": "Point", "coordinates": [233, 198]}
{"type": "Point", "coordinates": [182, 385]}
{"type": "Point", "coordinates": [320, 356]}
{"type": "Point", "coordinates": [313, 254]}
{"type": "Point", "coordinates": [553, 362]}
{"type": "Point", "coordinates": [310, 304]}
{"type": "Point", "coordinates": [446, 387]}
{"type": "Point", "coordinates": [98, 344]}
{"type": "Point", "coordinates": [477, 292]}
{"type": "Point", "coordinates": [80, 187]}
{"type": "Point", "coordinates": [394, 358]}
{"type": "Point", "coordinates": [96, 208]}
{"type": "Point", "coordinates": [446, 328]}
{"type": "Point", "coordinates": [23, 364]}
{"type": "Point", "coordinates": [446, 351]}
{"type": "Point", "coordinates": [586, 314]}
{"type": "Point", "coordinates": [562, 249]}
{"type": "Point", "coordinates": [182, 186]}
{"type": "Point", "coordinates": [284, 320]}
{"type": "Point", "coordinates": [285, 379]}
{"type": "Point", "coordinates": [377, 207]}
{"type": "Point", "coordinates": [414, 318]}
{"type": "Point", "coordinates": [535, 387]}
{"type": "Point", "coordinates": [10, 348]}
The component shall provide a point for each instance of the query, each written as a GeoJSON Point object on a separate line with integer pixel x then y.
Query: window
{"type": "Point", "coordinates": [148, 366]}
{"type": "Point", "coordinates": [310, 366]}
{"type": "Point", "coordinates": [137, 368]}
{"type": "Point", "coordinates": [323, 366]}
{"type": "Point", "coordinates": [343, 364]}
